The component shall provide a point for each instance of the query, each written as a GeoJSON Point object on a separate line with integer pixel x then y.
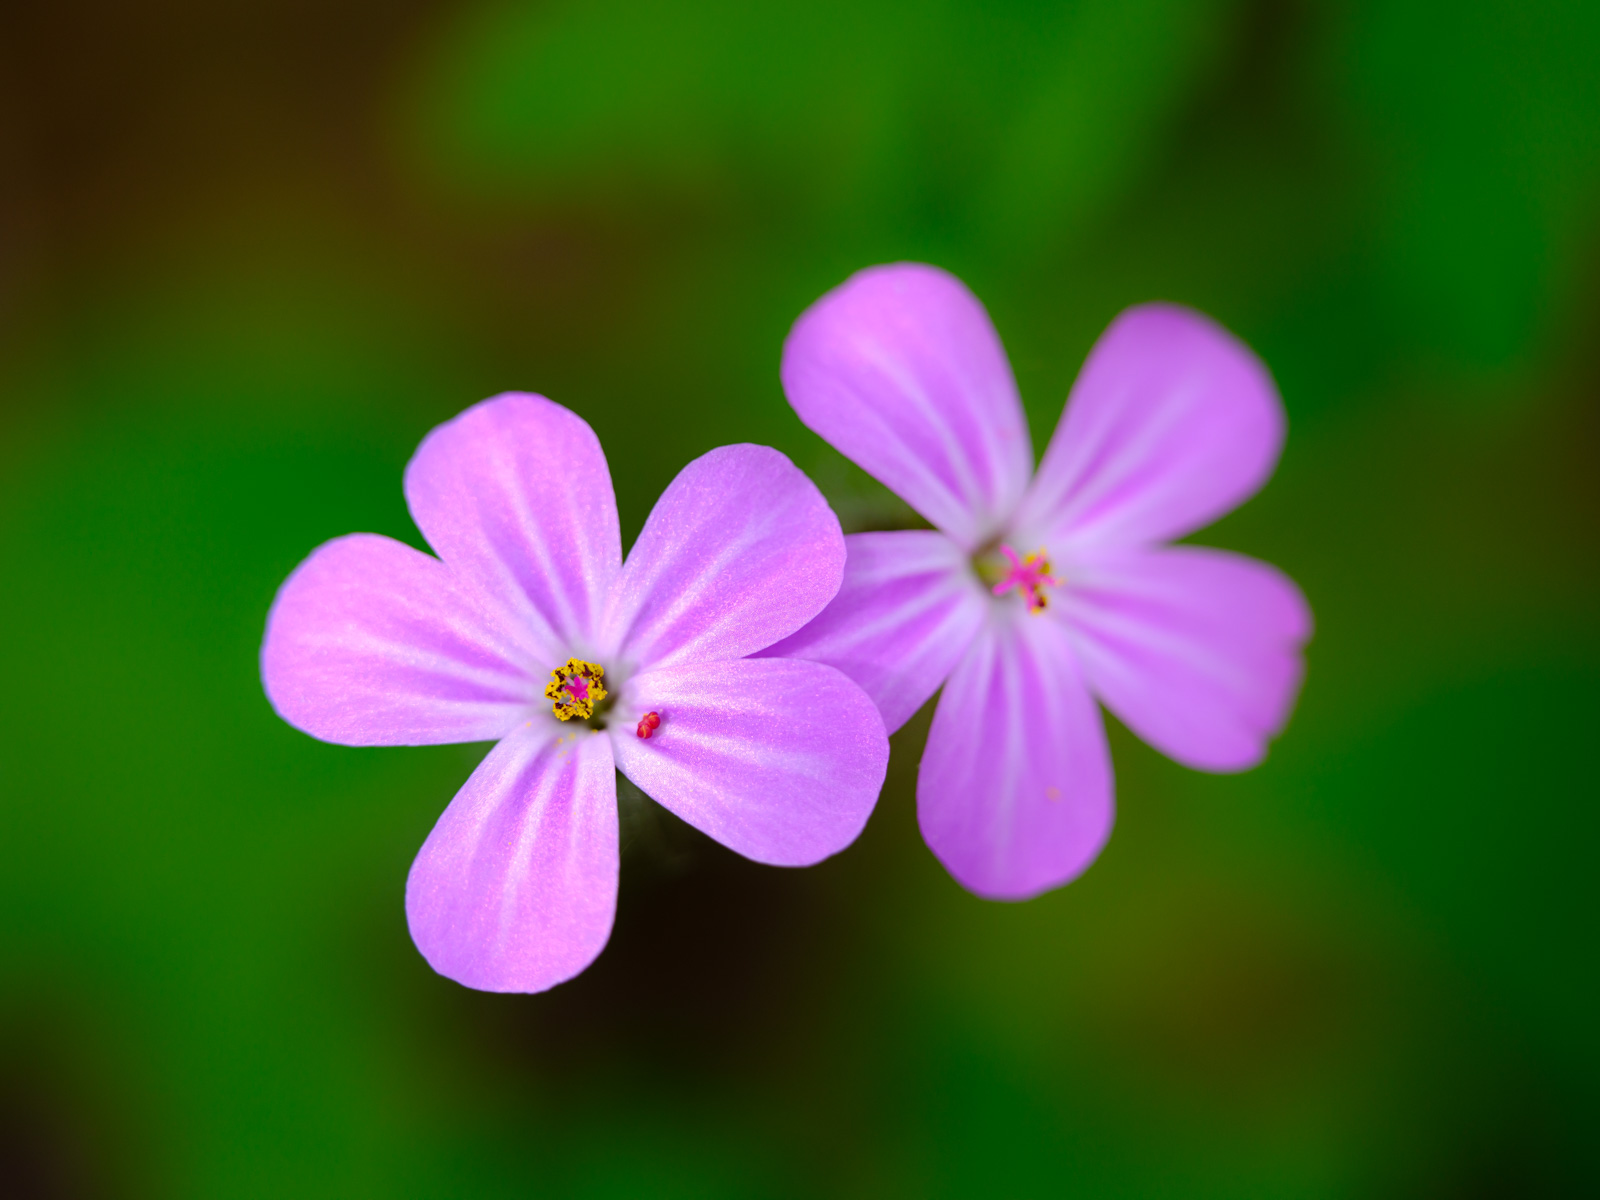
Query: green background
{"type": "Point", "coordinates": [251, 253]}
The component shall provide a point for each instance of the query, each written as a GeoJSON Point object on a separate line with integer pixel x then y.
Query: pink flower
{"type": "Point", "coordinates": [1039, 592]}
{"type": "Point", "coordinates": [530, 629]}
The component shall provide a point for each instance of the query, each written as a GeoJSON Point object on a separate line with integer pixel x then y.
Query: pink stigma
{"type": "Point", "coordinates": [578, 687]}
{"type": "Point", "coordinates": [1028, 575]}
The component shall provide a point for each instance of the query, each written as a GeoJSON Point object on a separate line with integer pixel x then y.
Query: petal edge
{"type": "Point", "coordinates": [1014, 794]}
{"type": "Point", "coordinates": [1197, 650]}
{"type": "Point", "coordinates": [372, 643]}
{"type": "Point", "coordinates": [739, 551]}
{"type": "Point", "coordinates": [514, 494]}
{"type": "Point", "coordinates": [515, 889]}
{"type": "Point", "coordinates": [905, 614]}
{"type": "Point", "coordinates": [900, 369]}
{"type": "Point", "coordinates": [1172, 423]}
{"type": "Point", "coordinates": [779, 759]}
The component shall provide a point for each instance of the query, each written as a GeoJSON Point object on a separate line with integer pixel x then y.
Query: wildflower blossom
{"type": "Point", "coordinates": [531, 630]}
{"type": "Point", "coordinates": [1035, 593]}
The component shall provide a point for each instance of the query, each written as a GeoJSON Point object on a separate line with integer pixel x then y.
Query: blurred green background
{"type": "Point", "coordinates": [251, 252]}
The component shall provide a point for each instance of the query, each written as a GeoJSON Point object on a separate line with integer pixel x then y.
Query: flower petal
{"type": "Point", "coordinates": [906, 612]}
{"type": "Point", "coordinates": [740, 550]}
{"type": "Point", "coordinates": [514, 494]}
{"type": "Point", "coordinates": [1172, 423]}
{"type": "Point", "coordinates": [900, 370]}
{"type": "Point", "coordinates": [1197, 650]}
{"type": "Point", "coordinates": [516, 887]}
{"type": "Point", "coordinates": [1014, 794]}
{"type": "Point", "coordinates": [779, 759]}
{"type": "Point", "coordinates": [372, 643]}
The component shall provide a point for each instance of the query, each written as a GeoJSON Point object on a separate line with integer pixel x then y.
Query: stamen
{"type": "Point", "coordinates": [576, 688]}
{"type": "Point", "coordinates": [648, 724]}
{"type": "Point", "coordinates": [1028, 575]}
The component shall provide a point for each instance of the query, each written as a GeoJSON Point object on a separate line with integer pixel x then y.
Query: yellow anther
{"type": "Point", "coordinates": [576, 688]}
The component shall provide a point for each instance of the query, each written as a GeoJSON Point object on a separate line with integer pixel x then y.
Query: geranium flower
{"type": "Point", "coordinates": [530, 629]}
{"type": "Point", "coordinates": [1036, 593]}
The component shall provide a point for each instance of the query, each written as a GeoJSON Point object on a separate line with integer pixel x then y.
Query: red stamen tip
{"type": "Point", "coordinates": [647, 725]}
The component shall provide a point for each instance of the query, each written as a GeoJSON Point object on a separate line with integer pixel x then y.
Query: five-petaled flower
{"type": "Point", "coordinates": [1171, 424]}
{"type": "Point", "coordinates": [530, 629]}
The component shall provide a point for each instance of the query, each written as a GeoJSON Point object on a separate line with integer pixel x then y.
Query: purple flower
{"type": "Point", "coordinates": [530, 629]}
{"type": "Point", "coordinates": [1038, 592]}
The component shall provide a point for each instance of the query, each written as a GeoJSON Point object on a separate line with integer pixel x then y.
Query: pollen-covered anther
{"type": "Point", "coordinates": [1029, 576]}
{"type": "Point", "coordinates": [648, 724]}
{"type": "Point", "coordinates": [575, 689]}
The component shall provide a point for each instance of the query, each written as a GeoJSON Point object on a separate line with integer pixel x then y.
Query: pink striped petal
{"type": "Point", "coordinates": [1172, 423]}
{"type": "Point", "coordinates": [907, 611]}
{"type": "Point", "coordinates": [900, 370]}
{"type": "Point", "coordinates": [516, 887]}
{"type": "Point", "coordinates": [740, 551]}
{"type": "Point", "coordinates": [1014, 795]}
{"type": "Point", "coordinates": [514, 494]}
{"type": "Point", "coordinates": [1197, 650]}
{"type": "Point", "coordinates": [372, 643]}
{"type": "Point", "coordinates": [778, 759]}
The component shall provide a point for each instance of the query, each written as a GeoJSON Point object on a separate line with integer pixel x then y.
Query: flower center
{"type": "Point", "coordinates": [575, 689]}
{"type": "Point", "coordinates": [1029, 576]}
